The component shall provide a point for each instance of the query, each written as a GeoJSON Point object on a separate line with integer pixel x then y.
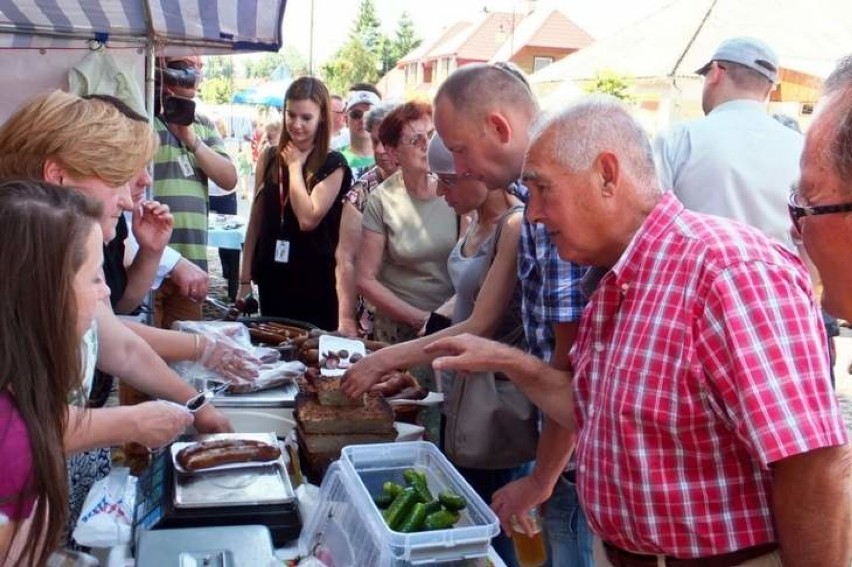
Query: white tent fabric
{"type": "Point", "coordinates": [208, 26]}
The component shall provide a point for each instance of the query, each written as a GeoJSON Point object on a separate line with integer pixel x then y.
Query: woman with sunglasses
{"type": "Point", "coordinates": [295, 219]}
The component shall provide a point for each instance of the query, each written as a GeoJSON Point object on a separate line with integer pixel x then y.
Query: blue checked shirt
{"type": "Point", "coordinates": [550, 286]}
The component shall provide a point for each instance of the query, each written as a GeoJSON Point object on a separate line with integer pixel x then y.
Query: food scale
{"type": "Point", "coordinates": [246, 496]}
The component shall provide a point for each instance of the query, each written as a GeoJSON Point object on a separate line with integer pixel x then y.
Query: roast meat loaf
{"type": "Point", "coordinates": [208, 454]}
{"type": "Point", "coordinates": [375, 416]}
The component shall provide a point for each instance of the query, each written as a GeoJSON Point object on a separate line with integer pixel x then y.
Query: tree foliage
{"type": "Point", "coordinates": [611, 83]}
{"type": "Point", "coordinates": [216, 90]}
{"type": "Point", "coordinates": [406, 38]}
{"type": "Point", "coordinates": [368, 53]}
{"type": "Point", "coordinates": [353, 63]}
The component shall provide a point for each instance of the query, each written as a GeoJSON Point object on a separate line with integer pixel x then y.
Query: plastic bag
{"type": "Point", "coordinates": [107, 516]}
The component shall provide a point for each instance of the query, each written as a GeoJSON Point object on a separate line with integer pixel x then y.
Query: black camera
{"type": "Point", "coordinates": [171, 108]}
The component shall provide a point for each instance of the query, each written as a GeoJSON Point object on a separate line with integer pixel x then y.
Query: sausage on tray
{"type": "Point", "coordinates": [208, 454]}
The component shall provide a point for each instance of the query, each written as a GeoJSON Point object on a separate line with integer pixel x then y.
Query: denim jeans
{"type": "Point", "coordinates": [568, 537]}
{"type": "Point", "coordinates": [486, 483]}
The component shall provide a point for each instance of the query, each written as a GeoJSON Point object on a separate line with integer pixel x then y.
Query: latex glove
{"type": "Point", "coordinates": [158, 423]}
{"type": "Point", "coordinates": [228, 359]}
{"type": "Point", "coordinates": [191, 280]}
{"type": "Point", "coordinates": [516, 499]}
{"type": "Point", "coordinates": [210, 420]}
{"type": "Point", "coordinates": [152, 226]}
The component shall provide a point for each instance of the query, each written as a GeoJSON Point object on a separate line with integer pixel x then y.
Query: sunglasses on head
{"type": "Point", "coordinates": [356, 114]}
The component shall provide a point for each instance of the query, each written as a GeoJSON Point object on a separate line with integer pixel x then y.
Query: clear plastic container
{"type": "Point", "coordinates": [337, 527]}
{"type": "Point", "coordinates": [371, 465]}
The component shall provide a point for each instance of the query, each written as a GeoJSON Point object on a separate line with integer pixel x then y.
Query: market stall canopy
{"type": "Point", "coordinates": [197, 26]}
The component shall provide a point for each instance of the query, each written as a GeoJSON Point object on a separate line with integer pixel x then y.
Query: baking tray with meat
{"type": "Point", "coordinates": [375, 416]}
{"type": "Point", "coordinates": [256, 485]}
{"type": "Point", "coordinates": [223, 454]}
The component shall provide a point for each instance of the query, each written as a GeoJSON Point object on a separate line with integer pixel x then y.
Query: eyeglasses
{"type": "Point", "coordinates": [419, 139]}
{"type": "Point", "coordinates": [799, 210]}
{"type": "Point", "coordinates": [449, 180]}
{"type": "Point", "coordinates": [356, 114]}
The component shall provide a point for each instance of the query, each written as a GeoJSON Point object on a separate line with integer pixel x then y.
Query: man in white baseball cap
{"type": "Point", "coordinates": [738, 149]}
{"type": "Point", "coordinates": [359, 152]}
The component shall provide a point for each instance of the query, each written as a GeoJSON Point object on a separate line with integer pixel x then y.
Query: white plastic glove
{"type": "Point", "coordinates": [228, 359]}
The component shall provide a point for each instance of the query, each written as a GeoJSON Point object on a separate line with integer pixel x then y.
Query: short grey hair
{"type": "Point", "coordinates": [840, 77]}
{"type": "Point", "coordinates": [838, 87]}
{"type": "Point", "coordinates": [376, 114]}
{"type": "Point", "coordinates": [593, 125]}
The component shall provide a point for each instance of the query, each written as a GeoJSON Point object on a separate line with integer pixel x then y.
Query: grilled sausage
{"type": "Point", "coordinates": [209, 454]}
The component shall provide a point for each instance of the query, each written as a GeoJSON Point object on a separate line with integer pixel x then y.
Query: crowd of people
{"type": "Point", "coordinates": [625, 330]}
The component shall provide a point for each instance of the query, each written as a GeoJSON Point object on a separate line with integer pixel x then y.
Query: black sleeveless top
{"type": "Point", "coordinates": [304, 287]}
{"type": "Point", "coordinates": [115, 273]}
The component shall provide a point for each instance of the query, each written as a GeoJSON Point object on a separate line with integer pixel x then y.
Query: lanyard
{"type": "Point", "coordinates": [282, 197]}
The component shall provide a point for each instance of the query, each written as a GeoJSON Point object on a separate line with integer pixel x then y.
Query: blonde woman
{"type": "Point", "coordinates": [90, 146]}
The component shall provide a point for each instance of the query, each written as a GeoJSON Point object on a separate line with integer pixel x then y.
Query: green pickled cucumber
{"type": "Point", "coordinates": [441, 520]}
{"type": "Point", "coordinates": [452, 500]}
{"type": "Point", "coordinates": [383, 500]}
{"type": "Point", "coordinates": [392, 488]}
{"type": "Point", "coordinates": [432, 507]}
{"type": "Point", "coordinates": [399, 508]}
{"type": "Point", "coordinates": [415, 520]}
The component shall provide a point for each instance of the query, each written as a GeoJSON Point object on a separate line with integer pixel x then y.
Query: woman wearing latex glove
{"type": "Point", "coordinates": [215, 352]}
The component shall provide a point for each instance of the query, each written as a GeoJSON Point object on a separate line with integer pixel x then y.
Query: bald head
{"type": "Point", "coordinates": [476, 89]}
{"type": "Point", "coordinates": [835, 115]}
{"type": "Point", "coordinates": [594, 125]}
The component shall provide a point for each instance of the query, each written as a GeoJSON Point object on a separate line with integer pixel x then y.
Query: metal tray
{"type": "Point", "coordinates": [238, 487]}
{"type": "Point", "coordinates": [283, 396]}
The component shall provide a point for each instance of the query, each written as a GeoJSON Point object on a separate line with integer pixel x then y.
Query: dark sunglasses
{"type": "Point", "coordinates": [356, 114]}
{"type": "Point", "coordinates": [798, 210]}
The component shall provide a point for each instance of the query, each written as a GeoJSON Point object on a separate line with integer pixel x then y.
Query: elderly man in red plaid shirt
{"type": "Point", "coordinates": [708, 433]}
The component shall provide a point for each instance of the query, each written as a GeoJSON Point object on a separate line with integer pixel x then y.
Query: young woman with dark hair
{"type": "Point", "coordinates": [294, 226]}
{"type": "Point", "coordinates": [51, 253]}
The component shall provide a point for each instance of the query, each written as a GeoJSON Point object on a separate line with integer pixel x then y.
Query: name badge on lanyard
{"type": "Point", "coordinates": [185, 166]}
{"type": "Point", "coordinates": [282, 247]}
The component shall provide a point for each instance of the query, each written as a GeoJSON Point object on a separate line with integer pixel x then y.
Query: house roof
{"type": "Point", "coordinates": [481, 40]}
{"type": "Point", "coordinates": [546, 28]}
{"type": "Point", "coordinates": [427, 46]}
{"type": "Point", "coordinates": [681, 36]}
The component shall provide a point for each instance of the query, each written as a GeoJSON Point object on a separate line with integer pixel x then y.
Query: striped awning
{"type": "Point", "coordinates": [208, 26]}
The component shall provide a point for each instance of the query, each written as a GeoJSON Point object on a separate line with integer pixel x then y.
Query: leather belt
{"type": "Point", "coordinates": [621, 558]}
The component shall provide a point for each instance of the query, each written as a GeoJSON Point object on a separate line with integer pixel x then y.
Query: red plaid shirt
{"type": "Point", "coordinates": [701, 359]}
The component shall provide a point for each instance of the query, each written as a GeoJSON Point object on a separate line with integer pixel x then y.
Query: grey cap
{"type": "Point", "coordinates": [440, 158]}
{"type": "Point", "coordinates": [749, 52]}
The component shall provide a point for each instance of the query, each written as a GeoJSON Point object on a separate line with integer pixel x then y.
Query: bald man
{"type": "Point", "coordinates": [483, 114]}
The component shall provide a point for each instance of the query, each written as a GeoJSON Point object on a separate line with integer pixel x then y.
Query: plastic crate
{"type": "Point", "coordinates": [371, 465]}
{"type": "Point", "coordinates": [338, 525]}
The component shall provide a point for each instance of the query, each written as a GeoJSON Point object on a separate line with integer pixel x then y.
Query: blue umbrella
{"type": "Point", "coordinates": [265, 94]}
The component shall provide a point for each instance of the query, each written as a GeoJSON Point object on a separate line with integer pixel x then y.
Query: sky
{"type": "Point", "coordinates": [333, 18]}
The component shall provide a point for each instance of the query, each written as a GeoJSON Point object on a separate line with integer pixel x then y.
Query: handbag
{"type": "Point", "coordinates": [490, 423]}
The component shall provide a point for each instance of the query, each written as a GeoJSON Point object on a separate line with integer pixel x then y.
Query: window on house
{"type": "Point", "coordinates": [540, 63]}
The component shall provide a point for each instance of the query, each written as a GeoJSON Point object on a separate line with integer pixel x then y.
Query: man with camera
{"type": "Point", "coordinates": [191, 152]}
